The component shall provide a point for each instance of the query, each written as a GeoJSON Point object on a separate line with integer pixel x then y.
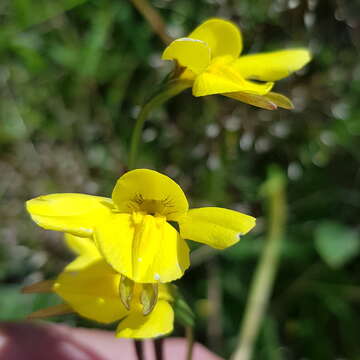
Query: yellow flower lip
{"type": "Point", "coordinates": [202, 54]}
{"type": "Point", "coordinates": [132, 232]}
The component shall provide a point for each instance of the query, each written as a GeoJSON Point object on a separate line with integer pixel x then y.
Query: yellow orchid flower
{"type": "Point", "coordinates": [132, 229]}
{"type": "Point", "coordinates": [209, 59]}
{"type": "Point", "coordinates": [91, 288]}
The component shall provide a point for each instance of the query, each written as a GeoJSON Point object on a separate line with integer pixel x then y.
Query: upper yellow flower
{"type": "Point", "coordinates": [210, 56]}
{"type": "Point", "coordinates": [91, 288]}
{"type": "Point", "coordinates": [132, 229]}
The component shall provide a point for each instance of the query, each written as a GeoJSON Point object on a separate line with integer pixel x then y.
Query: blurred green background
{"type": "Point", "coordinates": [73, 74]}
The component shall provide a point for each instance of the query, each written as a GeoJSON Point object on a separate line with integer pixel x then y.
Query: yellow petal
{"type": "Point", "coordinates": [210, 83]}
{"type": "Point", "coordinates": [72, 213]}
{"type": "Point", "coordinates": [93, 292]}
{"type": "Point", "coordinates": [190, 53]}
{"type": "Point", "coordinates": [215, 227]}
{"type": "Point", "coordinates": [142, 247]}
{"type": "Point", "coordinates": [81, 245]}
{"type": "Point", "coordinates": [151, 192]}
{"type": "Point", "coordinates": [260, 101]}
{"type": "Point", "coordinates": [165, 293]}
{"type": "Point", "coordinates": [223, 37]}
{"type": "Point", "coordinates": [272, 66]}
{"type": "Point", "coordinates": [85, 248]}
{"type": "Point", "coordinates": [159, 322]}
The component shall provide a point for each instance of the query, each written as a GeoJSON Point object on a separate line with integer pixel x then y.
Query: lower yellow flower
{"type": "Point", "coordinates": [132, 230]}
{"type": "Point", "coordinates": [210, 62]}
{"type": "Point", "coordinates": [91, 288]}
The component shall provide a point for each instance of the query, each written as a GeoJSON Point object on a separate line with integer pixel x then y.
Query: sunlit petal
{"type": "Point", "coordinates": [159, 322]}
{"type": "Point", "coordinates": [151, 192]}
{"type": "Point", "coordinates": [217, 83]}
{"type": "Point", "coordinates": [190, 53]}
{"type": "Point", "coordinates": [144, 248]}
{"type": "Point", "coordinates": [217, 227]}
{"type": "Point", "coordinates": [93, 292]}
{"type": "Point", "coordinates": [72, 213]}
{"type": "Point", "coordinates": [223, 37]}
{"type": "Point", "coordinates": [272, 66]}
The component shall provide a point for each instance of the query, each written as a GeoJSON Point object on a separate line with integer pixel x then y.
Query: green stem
{"type": "Point", "coordinates": [262, 284]}
{"type": "Point", "coordinates": [190, 342]}
{"type": "Point", "coordinates": [173, 88]}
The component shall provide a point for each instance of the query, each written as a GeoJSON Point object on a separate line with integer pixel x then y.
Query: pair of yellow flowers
{"type": "Point", "coordinates": [128, 247]}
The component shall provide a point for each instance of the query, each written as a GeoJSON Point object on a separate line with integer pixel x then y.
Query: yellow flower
{"type": "Point", "coordinates": [91, 288]}
{"type": "Point", "coordinates": [210, 60]}
{"type": "Point", "coordinates": [132, 229]}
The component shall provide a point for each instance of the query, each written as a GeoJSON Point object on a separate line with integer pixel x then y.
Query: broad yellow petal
{"type": "Point", "coordinates": [223, 37]}
{"type": "Point", "coordinates": [272, 66]}
{"type": "Point", "coordinates": [85, 248]}
{"type": "Point", "coordinates": [151, 192]}
{"type": "Point", "coordinates": [215, 227]}
{"type": "Point", "coordinates": [190, 53]}
{"type": "Point", "coordinates": [92, 292]}
{"type": "Point", "coordinates": [72, 213]}
{"type": "Point", "coordinates": [142, 247]}
{"type": "Point", "coordinates": [159, 322]}
{"type": "Point", "coordinates": [209, 83]}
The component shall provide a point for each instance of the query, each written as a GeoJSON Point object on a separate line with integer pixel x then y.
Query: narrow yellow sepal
{"type": "Point", "coordinates": [39, 287]}
{"type": "Point", "coordinates": [260, 101]}
{"type": "Point", "coordinates": [55, 310]}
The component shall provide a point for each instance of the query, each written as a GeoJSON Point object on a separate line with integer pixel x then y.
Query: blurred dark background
{"type": "Point", "coordinates": [72, 77]}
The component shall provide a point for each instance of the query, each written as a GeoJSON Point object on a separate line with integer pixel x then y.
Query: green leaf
{"type": "Point", "coordinates": [336, 243]}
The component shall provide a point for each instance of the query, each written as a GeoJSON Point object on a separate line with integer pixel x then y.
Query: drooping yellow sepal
{"type": "Point", "coordinates": [216, 227]}
{"type": "Point", "coordinates": [269, 101]}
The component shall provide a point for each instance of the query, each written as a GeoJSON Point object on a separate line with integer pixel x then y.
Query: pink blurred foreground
{"type": "Point", "coordinates": [34, 341]}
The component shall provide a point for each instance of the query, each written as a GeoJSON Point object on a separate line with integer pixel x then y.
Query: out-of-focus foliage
{"type": "Point", "coordinates": [70, 87]}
